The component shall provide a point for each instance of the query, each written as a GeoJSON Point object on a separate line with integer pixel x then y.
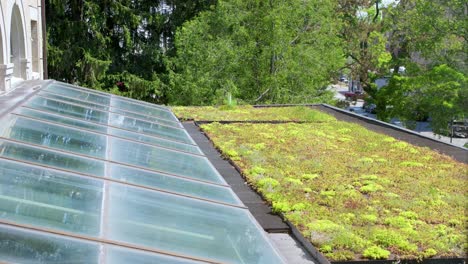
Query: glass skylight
{"type": "Point", "coordinates": [90, 177]}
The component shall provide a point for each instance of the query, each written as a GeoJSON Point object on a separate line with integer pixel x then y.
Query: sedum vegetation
{"type": "Point", "coordinates": [244, 113]}
{"type": "Point", "coordinates": [353, 192]}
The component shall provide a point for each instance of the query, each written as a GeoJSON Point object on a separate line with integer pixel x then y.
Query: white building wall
{"type": "Point", "coordinates": [20, 42]}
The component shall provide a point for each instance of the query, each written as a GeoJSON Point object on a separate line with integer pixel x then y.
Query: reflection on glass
{"type": "Point", "coordinates": [186, 226]}
{"type": "Point", "coordinates": [155, 141]}
{"type": "Point", "coordinates": [68, 110]}
{"type": "Point", "coordinates": [46, 198]}
{"type": "Point", "coordinates": [149, 128]}
{"type": "Point", "coordinates": [82, 95]}
{"type": "Point", "coordinates": [164, 160]}
{"type": "Point", "coordinates": [54, 136]}
{"type": "Point", "coordinates": [23, 246]}
{"type": "Point", "coordinates": [73, 101]}
{"type": "Point", "coordinates": [120, 255]}
{"type": "Point", "coordinates": [142, 108]}
{"type": "Point", "coordinates": [51, 158]}
{"type": "Point", "coordinates": [173, 184]}
{"type": "Point", "coordinates": [147, 118]}
{"type": "Point", "coordinates": [37, 195]}
{"type": "Point", "coordinates": [62, 120]}
{"type": "Point", "coordinates": [109, 130]}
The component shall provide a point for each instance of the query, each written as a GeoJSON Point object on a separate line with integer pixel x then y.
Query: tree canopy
{"type": "Point", "coordinates": [257, 51]}
{"type": "Point", "coordinates": [103, 43]}
{"type": "Point", "coordinates": [216, 51]}
{"type": "Point", "coordinates": [429, 39]}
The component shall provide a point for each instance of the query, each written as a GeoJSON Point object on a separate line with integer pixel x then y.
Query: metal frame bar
{"type": "Point", "coordinates": [104, 241]}
{"type": "Point", "coordinates": [107, 179]}
{"type": "Point", "coordinates": [44, 39]}
{"type": "Point", "coordinates": [110, 161]}
{"type": "Point", "coordinates": [109, 106]}
{"type": "Point", "coordinates": [100, 124]}
{"type": "Point", "coordinates": [104, 134]}
{"type": "Point", "coordinates": [129, 184]}
{"type": "Point", "coordinates": [100, 110]}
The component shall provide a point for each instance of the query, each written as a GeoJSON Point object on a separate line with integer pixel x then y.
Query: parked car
{"type": "Point", "coordinates": [354, 95]}
{"type": "Point", "coordinates": [459, 128]}
{"type": "Point", "coordinates": [370, 108]}
{"type": "Point", "coordinates": [397, 122]}
{"type": "Point", "coordinates": [344, 79]}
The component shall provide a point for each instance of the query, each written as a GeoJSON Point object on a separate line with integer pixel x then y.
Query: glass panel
{"type": "Point", "coordinates": [120, 255]}
{"type": "Point", "coordinates": [149, 128]}
{"type": "Point", "coordinates": [24, 246]}
{"type": "Point", "coordinates": [109, 130]}
{"type": "Point", "coordinates": [155, 141]}
{"type": "Point", "coordinates": [173, 184]}
{"type": "Point", "coordinates": [51, 158]}
{"type": "Point", "coordinates": [65, 89]}
{"type": "Point", "coordinates": [186, 226]}
{"type": "Point", "coordinates": [148, 118]}
{"type": "Point", "coordinates": [74, 101]}
{"type": "Point", "coordinates": [61, 120]}
{"type": "Point", "coordinates": [68, 109]}
{"type": "Point", "coordinates": [139, 102]}
{"type": "Point", "coordinates": [164, 160]}
{"type": "Point", "coordinates": [46, 198]}
{"type": "Point", "coordinates": [144, 109]}
{"type": "Point", "coordinates": [82, 95]}
{"type": "Point", "coordinates": [55, 136]}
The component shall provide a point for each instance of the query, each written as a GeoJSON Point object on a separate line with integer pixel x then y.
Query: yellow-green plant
{"type": "Point", "coordinates": [371, 196]}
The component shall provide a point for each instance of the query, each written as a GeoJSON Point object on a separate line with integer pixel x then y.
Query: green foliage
{"type": "Point", "coordinates": [294, 181]}
{"type": "Point", "coordinates": [325, 225]}
{"type": "Point", "coordinates": [398, 221]}
{"type": "Point", "coordinates": [389, 238]}
{"type": "Point", "coordinates": [430, 252]}
{"type": "Point", "coordinates": [257, 170]}
{"type": "Point", "coordinates": [99, 43]}
{"type": "Point", "coordinates": [364, 40]}
{"type": "Point", "coordinates": [436, 30]}
{"type": "Point", "coordinates": [429, 38]}
{"type": "Point", "coordinates": [246, 112]}
{"type": "Point", "coordinates": [232, 154]}
{"type": "Point", "coordinates": [281, 207]}
{"type": "Point", "coordinates": [376, 252]}
{"type": "Point", "coordinates": [309, 176]}
{"type": "Point", "coordinates": [369, 218]}
{"type": "Point", "coordinates": [411, 164]}
{"type": "Point", "coordinates": [299, 206]}
{"type": "Point", "coordinates": [139, 88]}
{"type": "Point", "coordinates": [257, 52]}
{"type": "Point", "coordinates": [409, 215]}
{"type": "Point", "coordinates": [326, 249]}
{"type": "Point", "coordinates": [232, 52]}
{"type": "Point", "coordinates": [267, 183]}
{"type": "Point", "coordinates": [402, 211]}
{"type": "Point", "coordinates": [439, 93]}
{"type": "Point", "coordinates": [341, 255]}
{"type": "Point", "coordinates": [371, 187]}
{"type": "Point", "coordinates": [328, 194]}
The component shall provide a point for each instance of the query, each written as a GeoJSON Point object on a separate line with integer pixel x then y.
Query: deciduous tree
{"type": "Point", "coordinates": [259, 51]}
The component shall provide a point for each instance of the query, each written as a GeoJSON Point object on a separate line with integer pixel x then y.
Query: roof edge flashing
{"type": "Point", "coordinates": [20, 94]}
{"type": "Point", "coordinates": [389, 125]}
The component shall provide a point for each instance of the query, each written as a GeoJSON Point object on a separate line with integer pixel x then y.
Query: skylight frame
{"type": "Point", "coordinates": [108, 181]}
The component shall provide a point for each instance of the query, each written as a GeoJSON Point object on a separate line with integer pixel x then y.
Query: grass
{"type": "Point", "coordinates": [244, 113]}
{"type": "Point", "coordinates": [354, 193]}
